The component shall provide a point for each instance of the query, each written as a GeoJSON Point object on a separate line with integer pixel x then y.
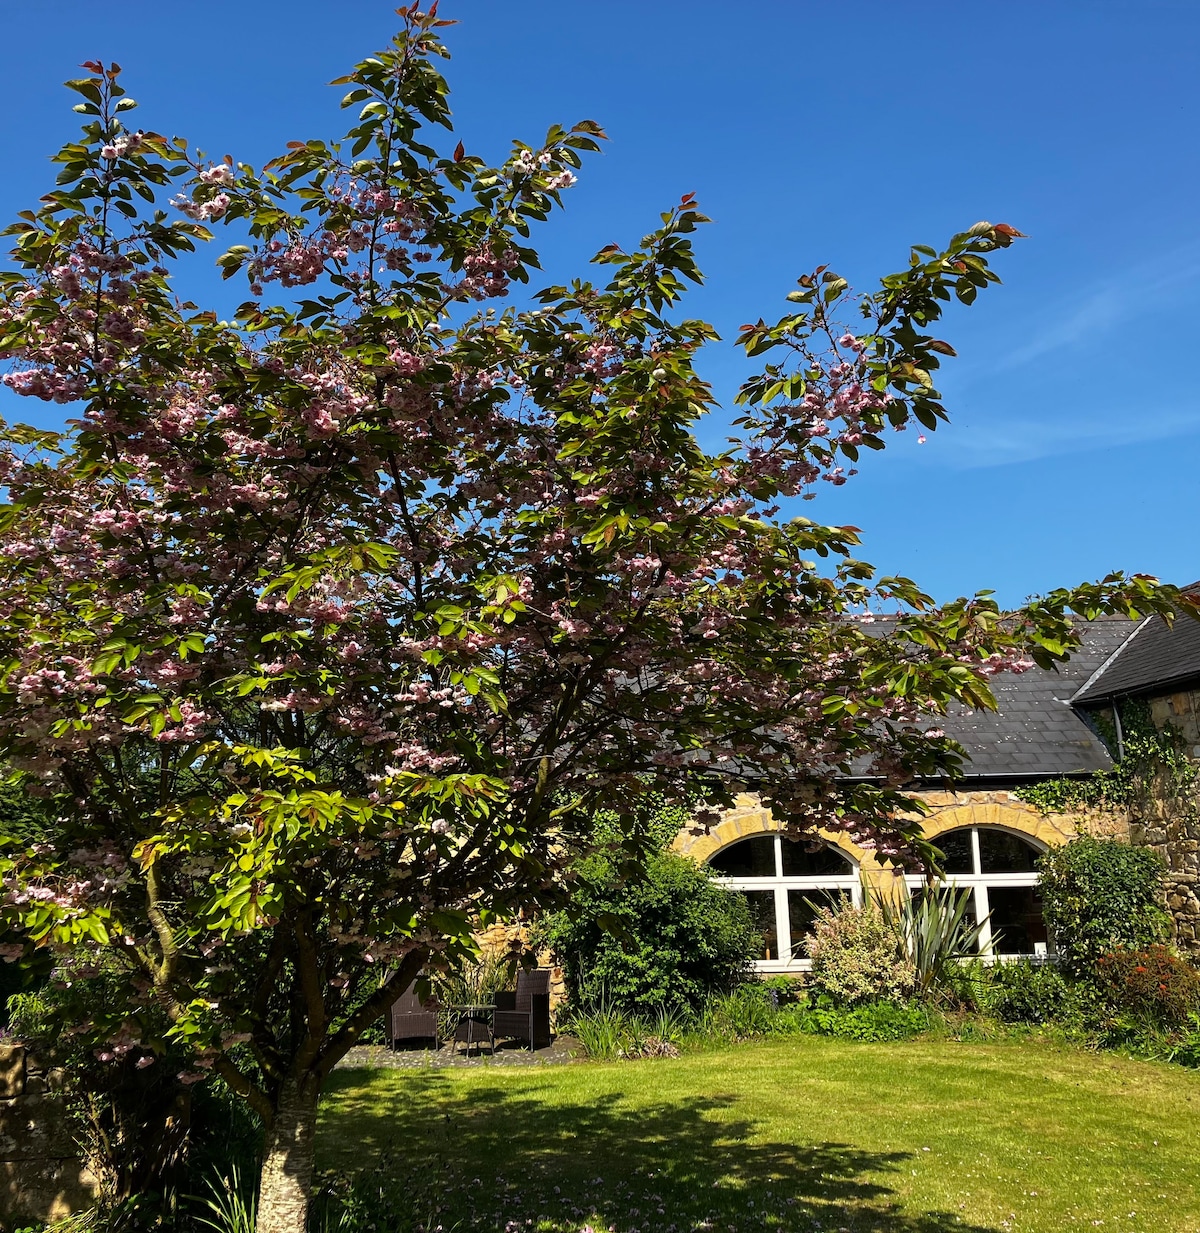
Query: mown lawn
{"type": "Point", "coordinates": [797, 1134]}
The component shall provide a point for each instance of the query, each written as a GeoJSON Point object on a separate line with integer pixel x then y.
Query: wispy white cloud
{"type": "Point", "coordinates": [1011, 439]}
{"type": "Point", "coordinates": [1095, 314]}
{"type": "Point", "coordinates": [1091, 313]}
{"type": "Point", "coordinates": [1054, 389]}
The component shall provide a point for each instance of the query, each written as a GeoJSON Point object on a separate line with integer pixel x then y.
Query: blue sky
{"type": "Point", "coordinates": [812, 133]}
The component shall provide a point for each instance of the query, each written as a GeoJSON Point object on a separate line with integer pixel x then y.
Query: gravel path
{"type": "Point", "coordinates": [564, 1049]}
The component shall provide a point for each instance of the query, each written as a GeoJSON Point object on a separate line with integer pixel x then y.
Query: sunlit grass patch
{"type": "Point", "coordinates": [798, 1134]}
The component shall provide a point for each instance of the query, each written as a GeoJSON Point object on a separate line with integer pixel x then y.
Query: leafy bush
{"type": "Point", "coordinates": [858, 955]}
{"type": "Point", "coordinates": [1099, 895]}
{"type": "Point", "coordinates": [1025, 992]}
{"type": "Point", "coordinates": [783, 990]}
{"type": "Point", "coordinates": [1152, 984]}
{"type": "Point", "coordinates": [668, 939]}
{"type": "Point", "coordinates": [150, 1137]}
{"type": "Point", "coordinates": [871, 1021]}
{"type": "Point", "coordinates": [1185, 1048]}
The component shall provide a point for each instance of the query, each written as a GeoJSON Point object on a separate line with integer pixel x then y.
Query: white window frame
{"type": "Point", "coordinates": [978, 882]}
{"type": "Point", "coordinates": [791, 957]}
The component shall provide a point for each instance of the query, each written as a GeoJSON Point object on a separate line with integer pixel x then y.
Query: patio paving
{"type": "Point", "coordinates": [564, 1049]}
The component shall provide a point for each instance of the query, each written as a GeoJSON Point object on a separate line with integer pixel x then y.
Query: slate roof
{"type": "Point", "coordinates": [1155, 657]}
{"type": "Point", "coordinates": [1035, 733]}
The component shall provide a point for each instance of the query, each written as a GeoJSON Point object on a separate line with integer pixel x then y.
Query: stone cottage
{"type": "Point", "coordinates": [1048, 727]}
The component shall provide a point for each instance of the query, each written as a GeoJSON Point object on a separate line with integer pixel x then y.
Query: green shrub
{"type": "Point", "coordinates": [1185, 1049]}
{"type": "Point", "coordinates": [963, 985]}
{"type": "Point", "coordinates": [1152, 984]}
{"type": "Point", "coordinates": [1100, 895]}
{"type": "Point", "coordinates": [1024, 992]}
{"type": "Point", "coordinates": [871, 1021]}
{"type": "Point", "coordinates": [784, 990]}
{"type": "Point", "coordinates": [858, 955]}
{"type": "Point", "coordinates": [747, 1011]}
{"type": "Point", "coordinates": [669, 939]}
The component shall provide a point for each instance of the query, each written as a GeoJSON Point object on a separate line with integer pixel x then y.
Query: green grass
{"type": "Point", "coordinates": [799, 1134]}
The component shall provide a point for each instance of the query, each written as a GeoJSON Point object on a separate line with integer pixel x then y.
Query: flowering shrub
{"type": "Point", "coordinates": [858, 956]}
{"type": "Point", "coordinates": [147, 1125]}
{"type": "Point", "coordinates": [1152, 983]}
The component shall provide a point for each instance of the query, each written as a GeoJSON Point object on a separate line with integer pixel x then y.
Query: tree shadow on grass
{"type": "Point", "coordinates": [499, 1159]}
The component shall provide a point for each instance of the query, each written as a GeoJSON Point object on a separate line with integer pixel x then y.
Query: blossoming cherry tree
{"type": "Point", "coordinates": [326, 628]}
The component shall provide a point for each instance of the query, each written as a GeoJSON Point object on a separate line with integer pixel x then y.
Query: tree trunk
{"type": "Point", "coordinates": [285, 1184]}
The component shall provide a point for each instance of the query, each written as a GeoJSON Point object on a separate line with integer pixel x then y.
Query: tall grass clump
{"type": "Point", "coordinates": [230, 1205]}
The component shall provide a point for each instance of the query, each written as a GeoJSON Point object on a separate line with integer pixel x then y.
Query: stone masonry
{"type": "Point", "coordinates": [42, 1176]}
{"type": "Point", "coordinates": [1177, 838]}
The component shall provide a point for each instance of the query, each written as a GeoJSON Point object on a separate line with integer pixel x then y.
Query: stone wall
{"type": "Point", "coordinates": [1177, 841]}
{"type": "Point", "coordinates": [514, 940]}
{"type": "Point", "coordinates": [1182, 711]}
{"type": "Point", "coordinates": [1176, 837]}
{"type": "Point", "coordinates": [42, 1177]}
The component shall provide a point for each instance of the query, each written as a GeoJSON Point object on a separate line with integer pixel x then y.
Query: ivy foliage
{"type": "Point", "coordinates": [1101, 894]}
{"type": "Point", "coordinates": [1154, 772]}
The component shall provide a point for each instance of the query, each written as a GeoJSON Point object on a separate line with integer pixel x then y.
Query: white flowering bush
{"type": "Point", "coordinates": [858, 956]}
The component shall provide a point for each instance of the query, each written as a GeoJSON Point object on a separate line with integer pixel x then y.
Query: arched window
{"type": "Point", "coordinates": [782, 879]}
{"type": "Point", "coordinates": [1000, 869]}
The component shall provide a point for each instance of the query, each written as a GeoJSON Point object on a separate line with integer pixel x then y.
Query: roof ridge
{"type": "Point", "coordinates": [1145, 621]}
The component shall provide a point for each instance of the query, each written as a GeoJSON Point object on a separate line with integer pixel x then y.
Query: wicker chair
{"type": "Point", "coordinates": [525, 1014]}
{"type": "Point", "coordinates": [412, 1019]}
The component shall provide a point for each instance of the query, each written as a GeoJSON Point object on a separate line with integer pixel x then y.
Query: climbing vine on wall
{"type": "Point", "coordinates": [1153, 773]}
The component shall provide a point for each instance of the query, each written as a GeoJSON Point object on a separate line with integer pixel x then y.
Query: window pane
{"type": "Point", "coordinates": [1016, 919]}
{"type": "Point", "coordinates": [1000, 852]}
{"type": "Point", "coordinates": [802, 911]}
{"type": "Point", "coordinates": [762, 913]}
{"type": "Point", "coordinates": [800, 862]}
{"type": "Point", "coordinates": [957, 847]}
{"type": "Point", "coordinates": [749, 858]}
